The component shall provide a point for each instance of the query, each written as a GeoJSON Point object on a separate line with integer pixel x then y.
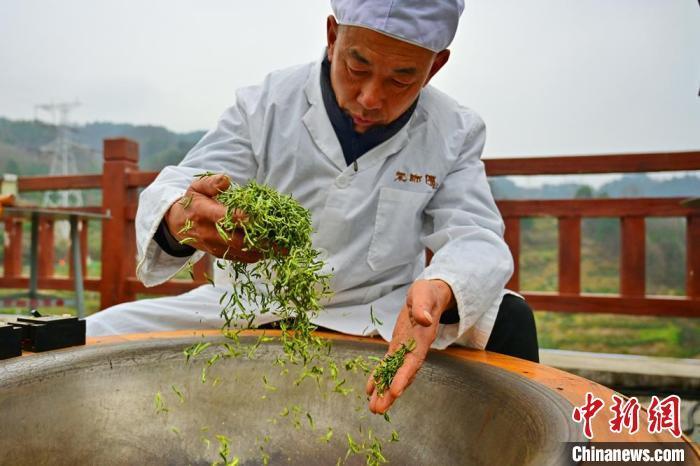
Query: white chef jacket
{"type": "Point", "coordinates": [425, 187]}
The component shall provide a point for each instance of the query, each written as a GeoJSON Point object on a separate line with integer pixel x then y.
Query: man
{"type": "Point", "coordinates": [387, 165]}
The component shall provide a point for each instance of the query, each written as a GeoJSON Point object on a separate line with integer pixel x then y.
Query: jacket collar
{"type": "Point", "coordinates": [321, 130]}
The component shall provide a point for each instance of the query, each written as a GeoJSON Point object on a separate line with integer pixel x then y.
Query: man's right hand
{"type": "Point", "coordinates": [195, 215]}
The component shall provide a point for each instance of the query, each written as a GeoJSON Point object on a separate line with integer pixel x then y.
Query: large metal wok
{"type": "Point", "coordinates": [95, 405]}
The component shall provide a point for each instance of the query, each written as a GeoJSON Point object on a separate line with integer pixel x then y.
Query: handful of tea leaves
{"type": "Point", "coordinates": [386, 368]}
{"type": "Point", "coordinates": [288, 280]}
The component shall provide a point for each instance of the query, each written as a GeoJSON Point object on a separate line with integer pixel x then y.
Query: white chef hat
{"type": "Point", "coordinates": [430, 24]}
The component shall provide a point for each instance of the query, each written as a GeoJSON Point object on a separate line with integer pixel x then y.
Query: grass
{"type": "Point", "coordinates": [608, 333]}
{"type": "Point", "coordinates": [92, 303]}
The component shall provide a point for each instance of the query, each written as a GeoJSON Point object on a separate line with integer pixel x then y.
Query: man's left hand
{"type": "Point", "coordinates": [419, 318]}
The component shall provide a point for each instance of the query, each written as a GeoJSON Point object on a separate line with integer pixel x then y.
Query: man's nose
{"type": "Point", "coordinates": [371, 95]}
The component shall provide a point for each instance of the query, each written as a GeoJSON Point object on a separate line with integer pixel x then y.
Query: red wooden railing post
{"type": "Point", "coordinates": [46, 248]}
{"type": "Point", "coordinates": [570, 255]}
{"type": "Point", "coordinates": [13, 248]}
{"type": "Point", "coordinates": [118, 239]}
{"type": "Point", "coordinates": [632, 256]}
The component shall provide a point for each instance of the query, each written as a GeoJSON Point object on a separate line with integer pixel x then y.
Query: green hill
{"type": "Point", "coordinates": [15, 159]}
{"type": "Point", "coordinates": [21, 142]}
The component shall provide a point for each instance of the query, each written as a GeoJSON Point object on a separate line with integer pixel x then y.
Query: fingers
{"type": "Point", "coordinates": [380, 404]}
{"type": "Point", "coordinates": [369, 388]}
{"type": "Point", "coordinates": [402, 380]}
{"type": "Point", "coordinates": [236, 249]}
{"type": "Point", "coordinates": [417, 320]}
{"type": "Point", "coordinates": [206, 212]}
{"type": "Point", "coordinates": [422, 304]}
{"type": "Point", "coordinates": [203, 209]}
{"type": "Point", "coordinates": [238, 216]}
{"type": "Point", "coordinates": [405, 375]}
{"type": "Point", "coordinates": [233, 250]}
{"type": "Point", "coordinates": [211, 185]}
{"type": "Point", "coordinates": [194, 219]}
{"type": "Point", "coordinates": [196, 210]}
{"type": "Point", "coordinates": [422, 316]}
{"type": "Point", "coordinates": [393, 346]}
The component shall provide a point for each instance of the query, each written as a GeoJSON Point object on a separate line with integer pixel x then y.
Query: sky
{"type": "Point", "coordinates": [549, 77]}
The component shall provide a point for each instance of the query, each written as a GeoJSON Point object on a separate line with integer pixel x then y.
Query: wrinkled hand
{"type": "Point", "coordinates": [195, 215]}
{"type": "Point", "coordinates": [419, 318]}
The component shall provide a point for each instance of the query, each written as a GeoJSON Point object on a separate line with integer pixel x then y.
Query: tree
{"type": "Point", "coordinates": [11, 166]}
{"type": "Point", "coordinates": [584, 192]}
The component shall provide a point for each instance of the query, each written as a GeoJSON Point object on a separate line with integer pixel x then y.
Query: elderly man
{"type": "Point", "coordinates": [387, 165]}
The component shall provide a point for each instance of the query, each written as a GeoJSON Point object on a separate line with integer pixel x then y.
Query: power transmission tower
{"type": "Point", "coordinates": [61, 152]}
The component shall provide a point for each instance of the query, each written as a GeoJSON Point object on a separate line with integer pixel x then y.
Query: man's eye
{"type": "Point", "coordinates": [400, 83]}
{"type": "Point", "coordinates": [357, 72]}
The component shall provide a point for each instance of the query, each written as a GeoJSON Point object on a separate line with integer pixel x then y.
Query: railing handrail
{"type": "Point", "coordinates": [596, 207]}
{"type": "Point", "coordinates": [56, 182]}
{"type": "Point", "coordinates": [557, 165]}
{"type": "Point", "coordinates": [646, 162]}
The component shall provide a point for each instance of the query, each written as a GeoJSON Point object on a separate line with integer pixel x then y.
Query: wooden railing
{"type": "Point", "coordinates": [119, 183]}
{"type": "Point", "coordinates": [631, 213]}
{"type": "Point", "coordinates": [121, 180]}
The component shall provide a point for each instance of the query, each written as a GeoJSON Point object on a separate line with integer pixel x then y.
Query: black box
{"type": "Point", "coordinates": [50, 332]}
{"type": "Point", "coordinates": [10, 341]}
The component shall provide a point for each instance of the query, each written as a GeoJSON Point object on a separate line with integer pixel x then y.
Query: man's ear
{"type": "Point", "coordinates": [331, 35]}
{"type": "Point", "coordinates": [440, 60]}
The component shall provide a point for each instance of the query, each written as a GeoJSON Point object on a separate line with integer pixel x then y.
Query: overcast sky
{"type": "Point", "coordinates": [548, 76]}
